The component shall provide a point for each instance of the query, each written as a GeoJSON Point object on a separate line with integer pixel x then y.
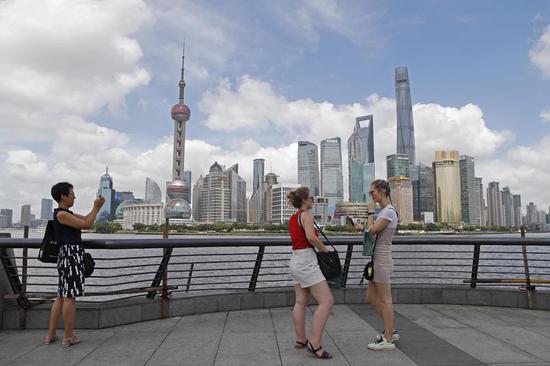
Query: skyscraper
{"type": "Point", "coordinates": [308, 166]}
{"type": "Point", "coordinates": [107, 211]}
{"type": "Point", "coordinates": [237, 187]}
{"type": "Point", "coordinates": [177, 189]}
{"type": "Point", "coordinates": [479, 202]}
{"type": "Point", "coordinates": [361, 159]}
{"type": "Point", "coordinates": [405, 123]}
{"type": "Point", "coordinates": [446, 171]}
{"type": "Point", "coordinates": [531, 213]}
{"type": "Point", "coordinates": [257, 174]}
{"type": "Point", "coordinates": [8, 217]}
{"type": "Point", "coordinates": [397, 165]}
{"type": "Point", "coordinates": [402, 197]}
{"type": "Point", "coordinates": [494, 205]}
{"type": "Point", "coordinates": [332, 180]}
{"type": "Point", "coordinates": [507, 207]}
{"type": "Point", "coordinates": [25, 219]}
{"type": "Point", "coordinates": [46, 209]}
{"type": "Point", "coordinates": [197, 188]}
{"type": "Point", "coordinates": [516, 201]}
{"type": "Point", "coordinates": [187, 181]}
{"type": "Point", "coordinates": [152, 191]}
{"type": "Point", "coordinates": [468, 190]}
{"type": "Point", "coordinates": [280, 210]}
{"type": "Point", "coordinates": [423, 190]}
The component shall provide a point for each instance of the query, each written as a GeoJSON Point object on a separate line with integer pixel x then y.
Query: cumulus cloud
{"type": "Point", "coordinates": [63, 58]}
{"type": "Point", "coordinates": [540, 54]}
{"type": "Point", "coordinates": [254, 105]}
{"type": "Point", "coordinates": [545, 116]}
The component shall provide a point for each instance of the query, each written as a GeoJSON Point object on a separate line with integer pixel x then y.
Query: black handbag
{"type": "Point", "coordinates": [49, 249]}
{"type": "Point", "coordinates": [329, 262]}
{"type": "Point", "coordinates": [89, 264]}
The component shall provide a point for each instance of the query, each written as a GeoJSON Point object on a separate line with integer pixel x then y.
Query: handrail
{"type": "Point", "coordinates": [254, 241]}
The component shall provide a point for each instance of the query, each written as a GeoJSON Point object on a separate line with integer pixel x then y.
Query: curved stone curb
{"type": "Point", "coordinates": [120, 312]}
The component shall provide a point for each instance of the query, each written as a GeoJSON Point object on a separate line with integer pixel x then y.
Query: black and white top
{"type": "Point", "coordinates": [70, 262]}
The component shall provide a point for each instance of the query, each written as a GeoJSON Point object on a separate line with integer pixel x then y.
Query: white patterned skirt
{"type": "Point", "coordinates": [70, 267]}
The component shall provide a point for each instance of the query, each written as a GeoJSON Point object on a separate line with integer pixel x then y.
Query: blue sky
{"type": "Point", "coordinates": [260, 76]}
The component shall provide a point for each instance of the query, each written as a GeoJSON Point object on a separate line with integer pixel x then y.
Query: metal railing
{"type": "Point", "coordinates": [139, 268]}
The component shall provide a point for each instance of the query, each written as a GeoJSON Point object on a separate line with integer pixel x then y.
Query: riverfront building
{"type": "Point", "coordinates": [402, 198]}
{"type": "Point", "coordinates": [152, 191]}
{"type": "Point", "coordinates": [280, 210]}
{"type": "Point", "coordinates": [46, 209]}
{"type": "Point", "coordinates": [141, 213]}
{"type": "Point", "coordinates": [361, 159]}
{"type": "Point", "coordinates": [405, 123]}
{"type": "Point", "coordinates": [422, 180]}
{"type": "Point", "coordinates": [332, 180]}
{"type": "Point", "coordinates": [494, 205]}
{"type": "Point", "coordinates": [308, 166]}
{"type": "Point", "coordinates": [397, 165]}
{"type": "Point", "coordinates": [446, 170]}
{"type": "Point", "coordinates": [107, 211]}
{"type": "Point", "coordinates": [468, 190]}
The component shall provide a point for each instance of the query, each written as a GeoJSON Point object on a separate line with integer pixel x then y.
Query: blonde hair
{"type": "Point", "coordinates": [297, 197]}
{"type": "Point", "coordinates": [382, 185]}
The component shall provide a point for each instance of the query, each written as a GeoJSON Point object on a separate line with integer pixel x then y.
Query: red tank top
{"type": "Point", "coordinates": [297, 234]}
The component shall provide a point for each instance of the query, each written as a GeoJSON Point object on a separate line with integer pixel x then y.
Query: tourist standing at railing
{"type": "Point", "coordinates": [379, 288]}
{"type": "Point", "coordinates": [307, 276]}
{"type": "Point", "coordinates": [70, 263]}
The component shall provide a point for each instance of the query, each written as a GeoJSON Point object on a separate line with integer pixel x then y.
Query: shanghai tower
{"type": "Point", "coordinates": [405, 124]}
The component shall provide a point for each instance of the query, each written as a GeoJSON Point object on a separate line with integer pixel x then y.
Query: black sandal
{"type": "Point", "coordinates": [325, 355]}
{"type": "Point", "coordinates": [300, 345]}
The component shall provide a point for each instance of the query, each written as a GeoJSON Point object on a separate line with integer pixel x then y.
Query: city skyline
{"type": "Point", "coordinates": [247, 105]}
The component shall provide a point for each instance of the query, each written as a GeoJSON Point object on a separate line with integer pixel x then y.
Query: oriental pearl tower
{"type": "Point", "coordinates": [177, 206]}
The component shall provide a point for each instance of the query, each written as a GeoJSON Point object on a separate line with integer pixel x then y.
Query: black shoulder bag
{"type": "Point", "coordinates": [89, 264]}
{"type": "Point", "coordinates": [329, 262]}
{"type": "Point", "coordinates": [49, 249]}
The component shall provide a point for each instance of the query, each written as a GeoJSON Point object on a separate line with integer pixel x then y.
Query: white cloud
{"type": "Point", "coordinates": [540, 54]}
{"type": "Point", "coordinates": [62, 58]}
{"type": "Point", "coordinates": [545, 116]}
{"type": "Point", "coordinates": [253, 105]}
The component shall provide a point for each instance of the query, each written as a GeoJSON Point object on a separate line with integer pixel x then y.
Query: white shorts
{"type": "Point", "coordinates": [304, 268]}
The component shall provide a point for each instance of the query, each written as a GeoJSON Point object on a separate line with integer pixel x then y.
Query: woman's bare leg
{"type": "Point", "coordinates": [54, 316]}
{"type": "Point", "coordinates": [69, 313]}
{"type": "Point", "coordinates": [321, 292]}
{"type": "Point", "coordinates": [299, 312]}
{"type": "Point", "coordinates": [384, 292]}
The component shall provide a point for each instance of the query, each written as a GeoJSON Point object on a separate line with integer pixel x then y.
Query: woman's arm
{"type": "Point", "coordinates": [78, 221]}
{"type": "Point", "coordinates": [307, 223]}
{"type": "Point", "coordinates": [378, 226]}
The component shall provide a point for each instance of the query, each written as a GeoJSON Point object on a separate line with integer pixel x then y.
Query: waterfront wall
{"type": "Point", "coordinates": [108, 314]}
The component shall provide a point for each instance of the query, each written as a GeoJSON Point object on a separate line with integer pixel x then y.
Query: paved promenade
{"type": "Point", "coordinates": [430, 335]}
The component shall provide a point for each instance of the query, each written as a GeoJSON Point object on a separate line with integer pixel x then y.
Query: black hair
{"type": "Point", "coordinates": [61, 188]}
{"type": "Point", "coordinates": [297, 197]}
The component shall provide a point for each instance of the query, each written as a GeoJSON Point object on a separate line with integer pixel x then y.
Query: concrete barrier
{"type": "Point", "coordinates": [113, 313]}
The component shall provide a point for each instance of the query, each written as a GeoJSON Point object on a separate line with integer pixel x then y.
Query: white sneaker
{"type": "Point", "coordinates": [395, 336]}
{"type": "Point", "coordinates": [382, 345]}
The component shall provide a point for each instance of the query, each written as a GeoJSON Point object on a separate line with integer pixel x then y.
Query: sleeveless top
{"type": "Point", "coordinates": [65, 234]}
{"type": "Point", "coordinates": [297, 233]}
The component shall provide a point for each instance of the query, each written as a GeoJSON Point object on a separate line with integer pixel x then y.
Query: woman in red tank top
{"type": "Point", "coordinates": [307, 276]}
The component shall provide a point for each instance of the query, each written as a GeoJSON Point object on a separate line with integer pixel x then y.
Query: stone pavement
{"type": "Point", "coordinates": [438, 335]}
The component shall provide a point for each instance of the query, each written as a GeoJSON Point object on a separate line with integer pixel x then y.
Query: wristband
{"type": "Point", "coordinates": [370, 213]}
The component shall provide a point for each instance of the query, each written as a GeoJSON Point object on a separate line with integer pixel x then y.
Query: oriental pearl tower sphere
{"type": "Point", "coordinates": [177, 206]}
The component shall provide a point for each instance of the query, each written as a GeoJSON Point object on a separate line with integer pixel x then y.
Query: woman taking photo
{"type": "Point", "coordinates": [70, 262]}
{"type": "Point", "coordinates": [307, 276]}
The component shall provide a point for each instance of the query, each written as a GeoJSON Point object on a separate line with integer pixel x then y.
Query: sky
{"type": "Point", "coordinates": [88, 84]}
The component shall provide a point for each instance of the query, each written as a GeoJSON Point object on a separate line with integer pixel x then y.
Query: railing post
{"type": "Point", "coordinates": [475, 265]}
{"type": "Point", "coordinates": [528, 286]}
{"type": "Point", "coordinates": [256, 270]}
{"type": "Point", "coordinates": [189, 277]}
{"type": "Point", "coordinates": [22, 300]}
{"type": "Point", "coordinates": [347, 262]}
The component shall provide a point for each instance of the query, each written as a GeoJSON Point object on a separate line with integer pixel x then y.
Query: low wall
{"type": "Point", "coordinates": [102, 315]}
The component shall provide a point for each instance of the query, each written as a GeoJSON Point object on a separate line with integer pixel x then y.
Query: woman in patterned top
{"type": "Point", "coordinates": [70, 262]}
